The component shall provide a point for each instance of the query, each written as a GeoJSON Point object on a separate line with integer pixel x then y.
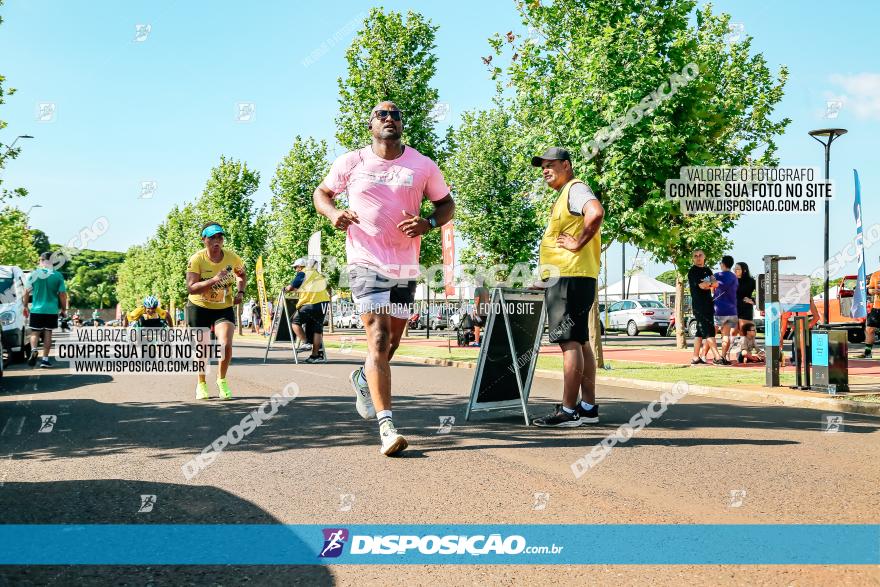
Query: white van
{"type": "Point", "coordinates": [12, 321]}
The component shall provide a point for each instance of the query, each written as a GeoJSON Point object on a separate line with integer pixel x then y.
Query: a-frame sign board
{"type": "Point", "coordinates": [280, 330]}
{"type": "Point", "coordinates": [508, 352]}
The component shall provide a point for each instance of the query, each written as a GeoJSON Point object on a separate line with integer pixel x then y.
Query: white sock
{"type": "Point", "coordinates": [586, 406]}
{"type": "Point", "coordinates": [568, 411]}
{"type": "Point", "coordinates": [383, 415]}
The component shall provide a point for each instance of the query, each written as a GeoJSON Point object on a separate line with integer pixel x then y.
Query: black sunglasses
{"type": "Point", "coordinates": [394, 114]}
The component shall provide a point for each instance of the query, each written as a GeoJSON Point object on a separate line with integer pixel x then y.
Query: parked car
{"type": "Point", "coordinates": [456, 317]}
{"type": "Point", "coordinates": [2, 358]}
{"type": "Point", "coordinates": [348, 320]}
{"type": "Point", "coordinates": [634, 316]}
{"type": "Point", "coordinates": [12, 320]}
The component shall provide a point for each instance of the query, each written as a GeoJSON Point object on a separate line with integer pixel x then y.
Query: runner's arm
{"type": "Point", "coordinates": [241, 284]}
{"type": "Point", "coordinates": [194, 286]}
{"type": "Point", "coordinates": [444, 210]}
{"type": "Point", "coordinates": [324, 204]}
{"type": "Point", "coordinates": [593, 215]}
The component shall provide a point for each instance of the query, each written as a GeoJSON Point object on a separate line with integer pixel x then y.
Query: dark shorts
{"type": "Point", "coordinates": [374, 292]}
{"type": "Point", "coordinates": [311, 318]}
{"type": "Point", "coordinates": [705, 325]}
{"type": "Point", "coordinates": [568, 308]}
{"type": "Point", "coordinates": [199, 317]}
{"type": "Point", "coordinates": [873, 320]}
{"type": "Point", "coordinates": [479, 321]}
{"type": "Point", "coordinates": [43, 321]}
{"type": "Point", "coordinates": [745, 312]}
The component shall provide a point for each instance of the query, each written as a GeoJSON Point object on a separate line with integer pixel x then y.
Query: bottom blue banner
{"type": "Point", "coordinates": [158, 544]}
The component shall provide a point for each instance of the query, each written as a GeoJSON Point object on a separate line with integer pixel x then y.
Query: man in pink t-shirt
{"type": "Point", "coordinates": [385, 183]}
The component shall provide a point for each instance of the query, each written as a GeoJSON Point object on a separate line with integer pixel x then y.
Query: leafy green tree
{"type": "Point", "coordinates": [177, 239]}
{"type": "Point", "coordinates": [16, 247]}
{"type": "Point", "coordinates": [88, 269]}
{"type": "Point", "coordinates": [392, 58]}
{"type": "Point", "coordinates": [668, 277]}
{"type": "Point", "coordinates": [136, 275]}
{"type": "Point", "coordinates": [596, 61]}
{"type": "Point", "coordinates": [490, 180]}
{"type": "Point", "coordinates": [40, 240]}
{"type": "Point", "coordinates": [293, 218]}
{"type": "Point", "coordinates": [102, 294]}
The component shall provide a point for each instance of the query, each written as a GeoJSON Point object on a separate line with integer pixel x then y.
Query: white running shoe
{"type": "Point", "coordinates": [392, 442]}
{"type": "Point", "coordinates": [364, 403]}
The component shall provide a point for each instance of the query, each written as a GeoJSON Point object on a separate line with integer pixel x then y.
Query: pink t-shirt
{"type": "Point", "coordinates": [379, 191]}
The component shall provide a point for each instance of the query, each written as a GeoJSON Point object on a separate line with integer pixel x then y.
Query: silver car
{"type": "Point", "coordinates": [634, 316]}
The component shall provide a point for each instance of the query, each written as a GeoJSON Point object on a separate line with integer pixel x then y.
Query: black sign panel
{"type": "Point", "coordinates": [283, 334]}
{"type": "Point", "coordinates": [509, 351]}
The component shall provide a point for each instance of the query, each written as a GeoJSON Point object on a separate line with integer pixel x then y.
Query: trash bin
{"type": "Point", "coordinates": [829, 364]}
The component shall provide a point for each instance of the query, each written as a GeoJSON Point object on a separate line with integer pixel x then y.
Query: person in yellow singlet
{"type": "Point", "coordinates": [571, 243]}
{"type": "Point", "coordinates": [311, 307]}
{"type": "Point", "coordinates": [210, 277]}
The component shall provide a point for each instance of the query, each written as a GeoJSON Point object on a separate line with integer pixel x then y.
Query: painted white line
{"type": "Point", "coordinates": [13, 424]}
{"type": "Point", "coordinates": [316, 374]}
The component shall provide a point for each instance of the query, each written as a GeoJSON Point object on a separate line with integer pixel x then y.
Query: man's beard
{"type": "Point", "coordinates": [389, 134]}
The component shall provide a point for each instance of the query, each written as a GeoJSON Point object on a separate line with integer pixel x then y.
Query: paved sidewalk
{"type": "Point", "coordinates": [860, 367]}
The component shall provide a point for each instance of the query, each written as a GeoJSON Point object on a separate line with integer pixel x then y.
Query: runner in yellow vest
{"type": "Point", "coordinates": [571, 244]}
{"type": "Point", "coordinates": [310, 308]}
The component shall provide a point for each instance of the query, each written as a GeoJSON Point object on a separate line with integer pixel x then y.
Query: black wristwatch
{"type": "Point", "coordinates": [432, 221]}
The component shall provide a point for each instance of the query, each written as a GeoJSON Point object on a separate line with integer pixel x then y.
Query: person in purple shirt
{"type": "Point", "coordinates": [724, 298]}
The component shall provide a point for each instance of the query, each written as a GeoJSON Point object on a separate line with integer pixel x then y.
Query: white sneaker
{"type": "Point", "coordinates": [364, 403]}
{"type": "Point", "coordinates": [392, 442]}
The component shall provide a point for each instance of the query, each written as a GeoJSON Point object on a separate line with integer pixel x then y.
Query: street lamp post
{"type": "Point", "coordinates": [16, 140]}
{"type": "Point", "coordinates": [831, 134]}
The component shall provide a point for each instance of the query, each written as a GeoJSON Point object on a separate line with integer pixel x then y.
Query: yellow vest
{"type": "Point", "coordinates": [582, 263]}
{"type": "Point", "coordinates": [313, 289]}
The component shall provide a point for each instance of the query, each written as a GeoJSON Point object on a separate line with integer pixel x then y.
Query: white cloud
{"type": "Point", "coordinates": [862, 93]}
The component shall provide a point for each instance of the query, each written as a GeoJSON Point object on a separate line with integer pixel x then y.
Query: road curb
{"type": "Point", "coordinates": [790, 399]}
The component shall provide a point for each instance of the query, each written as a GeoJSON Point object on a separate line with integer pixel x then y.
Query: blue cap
{"type": "Point", "coordinates": [212, 230]}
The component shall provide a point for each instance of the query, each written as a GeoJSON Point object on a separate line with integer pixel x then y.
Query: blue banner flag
{"type": "Point", "coordinates": [860, 292]}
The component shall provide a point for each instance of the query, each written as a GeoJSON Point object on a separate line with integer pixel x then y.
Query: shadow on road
{"type": "Point", "coordinates": [179, 430]}
{"type": "Point", "coordinates": [116, 501]}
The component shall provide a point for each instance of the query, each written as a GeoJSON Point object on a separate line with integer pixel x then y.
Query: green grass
{"type": "Point", "coordinates": [707, 375]}
{"type": "Point", "coordinates": [703, 375]}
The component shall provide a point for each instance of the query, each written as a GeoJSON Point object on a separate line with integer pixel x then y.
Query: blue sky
{"type": "Point", "coordinates": [164, 109]}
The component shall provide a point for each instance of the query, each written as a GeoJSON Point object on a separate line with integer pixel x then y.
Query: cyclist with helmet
{"type": "Point", "coordinates": [149, 315]}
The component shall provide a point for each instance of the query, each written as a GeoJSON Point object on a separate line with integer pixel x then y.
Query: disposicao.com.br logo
{"type": "Point", "coordinates": [398, 544]}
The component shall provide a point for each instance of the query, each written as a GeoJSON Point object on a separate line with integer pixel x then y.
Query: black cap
{"type": "Point", "coordinates": [552, 153]}
{"type": "Point", "coordinates": [47, 256]}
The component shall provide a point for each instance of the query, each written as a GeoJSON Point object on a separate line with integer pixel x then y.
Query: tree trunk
{"type": "Point", "coordinates": [680, 323]}
{"type": "Point", "coordinates": [595, 331]}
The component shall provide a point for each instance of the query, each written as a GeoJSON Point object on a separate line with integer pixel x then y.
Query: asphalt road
{"type": "Point", "coordinates": [316, 462]}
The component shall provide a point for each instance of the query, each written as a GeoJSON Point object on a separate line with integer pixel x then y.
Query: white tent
{"type": "Point", "coordinates": [637, 286]}
{"type": "Point", "coordinates": [832, 294]}
{"type": "Point", "coordinates": [462, 292]}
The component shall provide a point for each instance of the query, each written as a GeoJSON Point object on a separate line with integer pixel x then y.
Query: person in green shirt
{"type": "Point", "coordinates": [46, 294]}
